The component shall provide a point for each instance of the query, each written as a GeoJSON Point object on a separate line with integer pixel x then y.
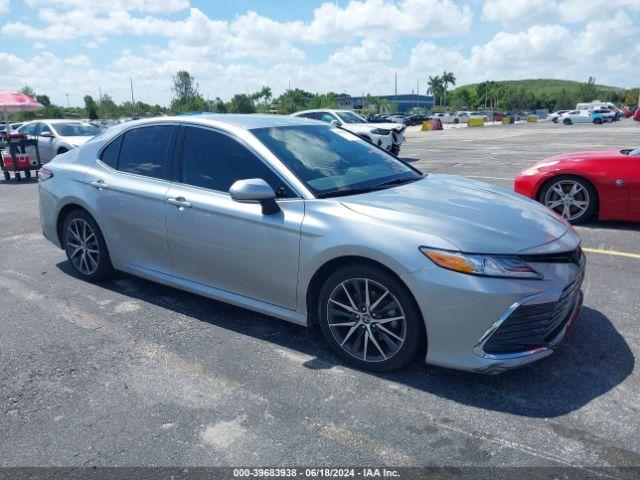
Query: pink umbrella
{"type": "Point", "coordinates": [16, 102]}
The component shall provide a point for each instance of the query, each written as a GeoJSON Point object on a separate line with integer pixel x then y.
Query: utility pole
{"type": "Point", "coordinates": [99, 93]}
{"type": "Point", "coordinates": [68, 104]}
{"type": "Point", "coordinates": [396, 92]}
{"type": "Point", "coordinates": [133, 103]}
{"type": "Point", "coordinates": [418, 93]}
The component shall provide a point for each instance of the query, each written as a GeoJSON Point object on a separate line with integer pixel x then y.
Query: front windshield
{"type": "Point", "coordinates": [350, 117]}
{"type": "Point", "coordinates": [331, 161]}
{"type": "Point", "coordinates": [75, 130]}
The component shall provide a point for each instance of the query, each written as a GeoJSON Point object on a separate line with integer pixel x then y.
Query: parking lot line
{"type": "Point", "coordinates": [612, 252]}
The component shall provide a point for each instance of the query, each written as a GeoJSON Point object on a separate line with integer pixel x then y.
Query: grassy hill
{"type": "Point", "coordinates": [550, 87]}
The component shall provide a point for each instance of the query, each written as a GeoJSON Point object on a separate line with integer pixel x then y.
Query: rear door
{"type": "Point", "coordinates": [225, 244]}
{"type": "Point", "coordinates": [127, 188]}
{"type": "Point", "coordinates": [46, 145]}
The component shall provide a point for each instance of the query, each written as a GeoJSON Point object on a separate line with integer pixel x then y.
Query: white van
{"type": "Point", "coordinates": [595, 104]}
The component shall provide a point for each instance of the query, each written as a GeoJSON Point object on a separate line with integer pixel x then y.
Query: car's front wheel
{"type": "Point", "coordinates": [370, 319]}
{"type": "Point", "coordinates": [567, 121]}
{"type": "Point", "coordinates": [85, 247]}
{"type": "Point", "coordinates": [573, 198]}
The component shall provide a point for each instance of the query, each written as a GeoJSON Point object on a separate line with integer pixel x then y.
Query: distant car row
{"type": "Point", "coordinates": [388, 136]}
{"type": "Point", "coordinates": [595, 115]}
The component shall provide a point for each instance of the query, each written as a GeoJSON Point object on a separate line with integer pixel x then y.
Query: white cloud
{"type": "Point", "coordinates": [148, 6]}
{"type": "Point", "coordinates": [529, 12]}
{"type": "Point", "coordinates": [4, 6]}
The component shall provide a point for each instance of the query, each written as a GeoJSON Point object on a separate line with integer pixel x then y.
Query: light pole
{"type": "Point", "coordinates": [133, 103]}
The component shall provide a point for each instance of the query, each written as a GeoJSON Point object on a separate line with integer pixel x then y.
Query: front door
{"type": "Point", "coordinates": [46, 145]}
{"type": "Point", "coordinates": [225, 244]}
{"type": "Point", "coordinates": [127, 188]}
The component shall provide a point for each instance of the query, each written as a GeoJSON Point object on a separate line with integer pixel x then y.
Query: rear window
{"type": "Point", "coordinates": [110, 154]}
{"type": "Point", "coordinates": [144, 150]}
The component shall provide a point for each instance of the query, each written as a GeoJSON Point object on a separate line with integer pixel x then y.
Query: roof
{"type": "Point", "coordinates": [247, 121]}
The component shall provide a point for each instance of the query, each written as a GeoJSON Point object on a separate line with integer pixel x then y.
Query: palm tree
{"type": "Point", "coordinates": [266, 94]}
{"type": "Point", "coordinates": [447, 78]}
{"type": "Point", "coordinates": [435, 86]}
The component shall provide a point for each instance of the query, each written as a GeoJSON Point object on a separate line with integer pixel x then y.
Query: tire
{"type": "Point", "coordinates": [7, 176]}
{"type": "Point", "coordinates": [586, 193]}
{"type": "Point", "coordinates": [456, 120]}
{"type": "Point", "coordinates": [81, 246]}
{"type": "Point", "coordinates": [393, 344]}
{"type": "Point", "coordinates": [567, 121]}
{"type": "Point", "coordinates": [597, 121]}
{"type": "Point", "coordinates": [27, 174]}
{"type": "Point", "coordinates": [554, 119]}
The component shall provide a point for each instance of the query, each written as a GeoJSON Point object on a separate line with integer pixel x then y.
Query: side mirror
{"type": "Point", "coordinates": [46, 135]}
{"type": "Point", "coordinates": [255, 190]}
{"type": "Point", "coordinates": [336, 123]}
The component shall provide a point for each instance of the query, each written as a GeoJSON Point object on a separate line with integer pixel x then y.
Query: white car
{"type": "Point", "coordinates": [575, 116]}
{"type": "Point", "coordinates": [57, 136]}
{"type": "Point", "coordinates": [388, 136]}
{"type": "Point", "coordinates": [556, 115]}
{"type": "Point", "coordinates": [445, 117]}
{"type": "Point", "coordinates": [606, 114]}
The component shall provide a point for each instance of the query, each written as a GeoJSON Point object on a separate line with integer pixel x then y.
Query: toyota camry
{"type": "Point", "coordinates": [307, 222]}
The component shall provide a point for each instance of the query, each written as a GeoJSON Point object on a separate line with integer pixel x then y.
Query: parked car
{"type": "Point", "coordinates": [389, 136]}
{"type": "Point", "coordinates": [13, 127]}
{"type": "Point", "coordinates": [575, 116]}
{"type": "Point", "coordinates": [583, 185]}
{"type": "Point", "coordinates": [604, 113]}
{"type": "Point", "coordinates": [415, 119]}
{"type": "Point", "coordinates": [308, 223]}
{"type": "Point", "coordinates": [57, 136]}
{"type": "Point", "coordinates": [396, 118]}
{"type": "Point", "coordinates": [444, 117]}
{"type": "Point", "coordinates": [556, 115]}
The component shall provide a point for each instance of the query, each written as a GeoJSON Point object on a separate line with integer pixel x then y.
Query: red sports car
{"type": "Point", "coordinates": [580, 185]}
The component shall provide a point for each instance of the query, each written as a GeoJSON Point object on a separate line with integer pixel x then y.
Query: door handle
{"type": "Point", "coordinates": [100, 185]}
{"type": "Point", "coordinates": [179, 202]}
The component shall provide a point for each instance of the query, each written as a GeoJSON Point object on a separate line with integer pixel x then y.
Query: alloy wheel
{"type": "Point", "coordinates": [366, 320]}
{"type": "Point", "coordinates": [568, 198]}
{"type": "Point", "coordinates": [82, 246]}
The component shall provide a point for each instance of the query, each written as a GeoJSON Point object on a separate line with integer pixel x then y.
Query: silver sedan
{"type": "Point", "coordinates": [307, 222]}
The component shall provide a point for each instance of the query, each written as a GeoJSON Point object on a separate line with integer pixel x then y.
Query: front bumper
{"type": "Point", "coordinates": [461, 313]}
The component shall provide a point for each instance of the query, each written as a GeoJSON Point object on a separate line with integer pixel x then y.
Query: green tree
{"type": "Point", "coordinates": [241, 103]}
{"type": "Point", "coordinates": [448, 78]}
{"type": "Point", "coordinates": [588, 91]}
{"type": "Point", "coordinates": [186, 97]}
{"type": "Point", "coordinates": [90, 107]}
{"type": "Point", "coordinates": [27, 90]}
{"type": "Point", "coordinates": [435, 88]}
{"type": "Point", "coordinates": [43, 100]}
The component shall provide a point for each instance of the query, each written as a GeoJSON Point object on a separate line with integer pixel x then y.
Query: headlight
{"type": "Point", "coordinates": [506, 266]}
{"type": "Point", "coordinates": [381, 131]}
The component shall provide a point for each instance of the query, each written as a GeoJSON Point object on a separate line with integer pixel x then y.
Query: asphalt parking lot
{"type": "Point", "coordinates": [130, 373]}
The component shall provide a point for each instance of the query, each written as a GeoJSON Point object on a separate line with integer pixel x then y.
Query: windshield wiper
{"type": "Point", "coordinates": [346, 191]}
{"type": "Point", "coordinates": [397, 181]}
{"type": "Point", "coordinates": [354, 191]}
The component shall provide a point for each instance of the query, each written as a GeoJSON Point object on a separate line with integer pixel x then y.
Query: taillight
{"type": "Point", "coordinates": [44, 174]}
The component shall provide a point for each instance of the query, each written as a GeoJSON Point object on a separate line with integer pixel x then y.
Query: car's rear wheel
{"type": "Point", "coordinates": [597, 121]}
{"type": "Point", "coordinates": [573, 198]}
{"type": "Point", "coordinates": [370, 319]}
{"type": "Point", "coordinates": [567, 121]}
{"type": "Point", "coordinates": [85, 247]}
{"type": "Point", "coordinates": [554, 119]}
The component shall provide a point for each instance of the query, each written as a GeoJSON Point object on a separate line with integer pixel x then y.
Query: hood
{"type": "Point", "coordinates": [77, 141]}
{"type": "Point", "coordinates": [474, 216]}
{"type": "Point", "coordinates": [551, 163]}
{"type": "Point", "coordinates": [367, 127]}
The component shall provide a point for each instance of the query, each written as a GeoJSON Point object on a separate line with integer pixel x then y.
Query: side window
{"type": "Point", "coordinates": [144, 150]}
{"type": "Point", "coordinates": [215, 161]}
{"type": "Point", "coordinates": [110, 154]}
{"type": "Point", "coordinates": [29, 129]}
{"type": "Point", "coordinates": [326, 117]}
{"type": "Point", "coordinates": [42, 128]}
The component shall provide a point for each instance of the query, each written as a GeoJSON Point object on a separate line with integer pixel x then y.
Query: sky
{"type": "Point", "coordinates": [80, 47]}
